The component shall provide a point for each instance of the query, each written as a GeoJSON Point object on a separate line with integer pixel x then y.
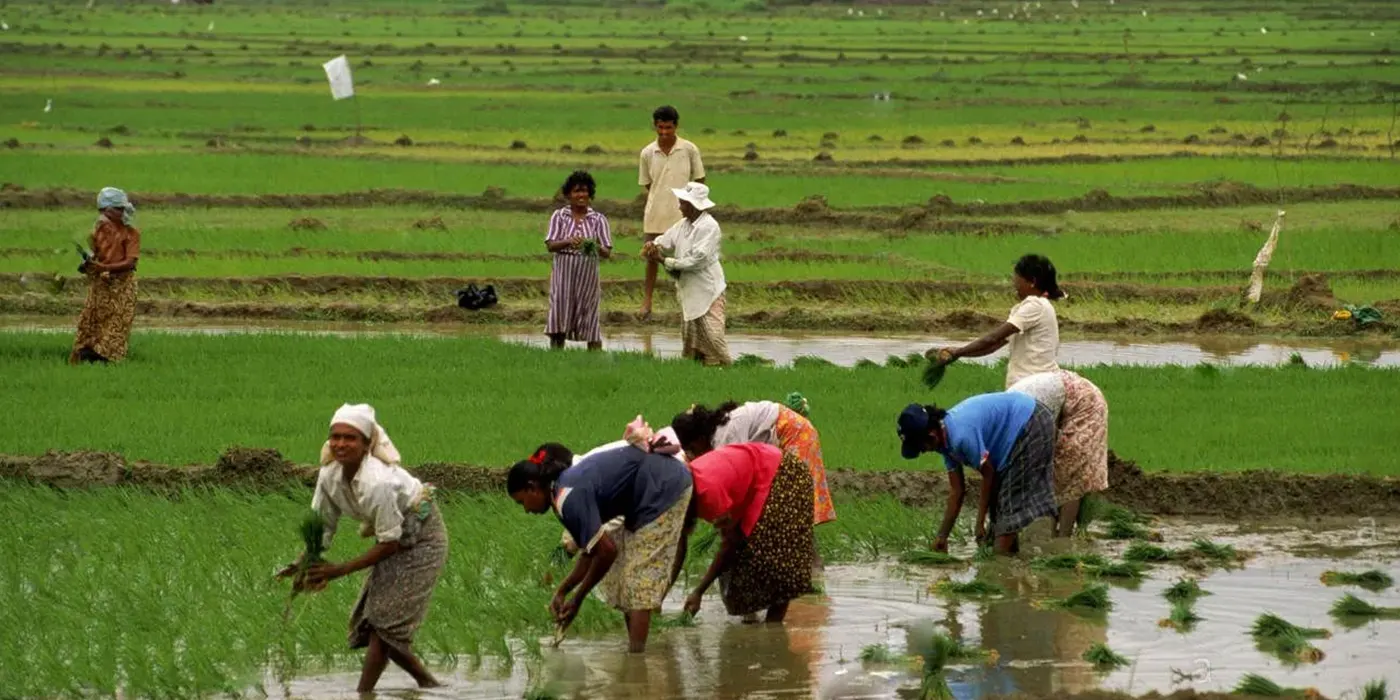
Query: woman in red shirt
{"type": "Point", "coordinates": [760, 499]}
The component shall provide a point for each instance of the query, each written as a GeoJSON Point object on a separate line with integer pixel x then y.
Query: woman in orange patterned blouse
{"type": "Point", "coordinates": [105, 324]}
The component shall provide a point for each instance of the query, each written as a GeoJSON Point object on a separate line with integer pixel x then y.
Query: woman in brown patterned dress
{"type": "Point", "coordinates": [105, 324]}
{"type": "Point", "coordinates": [1081, 444]}
{"type": "Point", "coordinates": [760, 499]}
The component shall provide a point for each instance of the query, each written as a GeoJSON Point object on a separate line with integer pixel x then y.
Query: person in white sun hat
{"type": "Point", "coordinates": [690, 252]}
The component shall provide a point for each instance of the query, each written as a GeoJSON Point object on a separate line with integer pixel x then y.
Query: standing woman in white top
{"type": "Point", "coordinates": [1081, 441]}
{"type": "Point", "coordinates": [1033, 330]}
{"type": "Point", "coordinates": [362, 478]}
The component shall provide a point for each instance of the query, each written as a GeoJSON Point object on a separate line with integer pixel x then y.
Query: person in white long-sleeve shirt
{"type": "Point", "coordinates": [690, 252]}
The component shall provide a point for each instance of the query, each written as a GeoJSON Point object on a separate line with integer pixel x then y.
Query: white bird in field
{"type": "Point", "coordinates": [994, 10]}
{"type": "Point", "coordinates": [48, 106]}
{"type": "Point", "coordinates": [979, 13]}
{"type": "Point", "coordinates": [1144, 13]}
{"type": "Point", "coordinates": [434, 81]}
{"type": "Point", "coordinates": [1110, 2]}
{"type": "Point", "coordinates": [1074, 4]}
{"type": "Point", "coordinates": [743, 38]}
{"type": "Point", "coordinates": [1263, 30]}
{"type": "Point", "coordinates": [6, 26]}
{"type": "Point", "coordinates": [850, 10]}
{"type": "Point", "coordinates": [211, 27]}
{"type": "Point", "coordinates": [1241, 76]}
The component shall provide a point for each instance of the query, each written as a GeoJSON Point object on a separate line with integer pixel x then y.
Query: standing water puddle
{"type": "Point", "coordinates": [1038, 651]}
{"type": "Point", "coordinates": [844, 350]}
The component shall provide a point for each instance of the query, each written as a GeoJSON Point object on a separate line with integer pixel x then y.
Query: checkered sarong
{"type": "Point", "coordinates": [1026, 488]}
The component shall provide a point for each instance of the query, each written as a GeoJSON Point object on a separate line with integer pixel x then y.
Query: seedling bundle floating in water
{"type": "Point", "coordinates": [1287, 640]}
{"type": "Point", "coordinates": [1373, 580]}
{"type": "Point", "coordinates": [1103, 658]}
{"type": "Point", "coordinates": [925, 557]}
{"type": "Point", "coordinates": [973, 588]}
{"type": "Point", "coordinates": [1350, 609]}
{"type": "Point", "coordinates": [1093, 598]}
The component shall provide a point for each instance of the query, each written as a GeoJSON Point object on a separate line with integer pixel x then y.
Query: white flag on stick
{"type": "Point", "coordinates": [1261, 261]}
{"type": "Point", "coordinates": [338, 72]}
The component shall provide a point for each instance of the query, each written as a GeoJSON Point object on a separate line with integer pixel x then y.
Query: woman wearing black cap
{"type": "Point", "coordinates": [1032, 329]}
{"type": "Point", "coordinates": [1009, 438]}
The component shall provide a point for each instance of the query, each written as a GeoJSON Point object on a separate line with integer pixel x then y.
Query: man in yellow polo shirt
{"type": "Point", "coordinates": [666, 164]}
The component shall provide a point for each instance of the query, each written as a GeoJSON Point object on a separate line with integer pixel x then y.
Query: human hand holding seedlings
{"type": "Point", "coordinates": [941, 545]}
{"type": "Point", "coordinates": [943, 356]}
{"type": "Point", "coordinates": [692, 604]}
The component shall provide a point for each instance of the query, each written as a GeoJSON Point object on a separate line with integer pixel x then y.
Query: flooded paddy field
{"type": "Point", "coordinates": [1038, 651]}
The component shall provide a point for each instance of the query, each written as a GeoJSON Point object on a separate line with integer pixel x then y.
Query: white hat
{"type": "Point", "coordinates": [695, 193]}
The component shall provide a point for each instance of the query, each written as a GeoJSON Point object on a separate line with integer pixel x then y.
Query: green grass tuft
{"type": "Point", "coordinates": [878, 654]}
{"type": "Point", "coordinates": [1183, 617]}
{"type": "Point", "coordinates": [1376, 690]}
{"type": "Point", "coordinates": [1184, 590]}
{"type": "Point", "coordinates": [1214, 552]}
{"type": "Point", "coordinates": [925, 557]}
{"type": "Point", "coordinates": [1119, 570]}
{"type": "Point", "coordinates": [1104, 658]}
{"type": "Point", "coordinates": [974, 588]}
{"type": "Point", "coordinates": [1093, 598]}
{"type": "Point", "coordinates": [1147, 552]}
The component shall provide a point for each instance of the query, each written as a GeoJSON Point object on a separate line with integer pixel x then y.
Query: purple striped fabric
{"type": "Point", "coordinates": [575, 291]}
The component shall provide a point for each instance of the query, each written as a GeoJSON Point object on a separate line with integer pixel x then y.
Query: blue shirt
{"type": "Point", "coordinates": [625, 481]}
{"type": "Point", "coordinates": [985, 427]}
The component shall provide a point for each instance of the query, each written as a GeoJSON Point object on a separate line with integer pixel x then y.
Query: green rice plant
{"type": "Point", "coordinates": [976, 588]}
{"type": "Point", "coordinates": [678, 621]}
{"type": "Point", "coordinates": [896, 362]}
{"type": "Point", "coordinates": [1257, 685]}
{"type": "Point", "coordinates": [1351, 608]}
{"type": "Point", "coordinates": [878, 654]}
{"type": "Point", "coordinates": [933, 374]}
{"type": "Point", "coordinates": [1069, 561]}
{"type": "Point", "coordinates": [1222, 553]}
{"type": "Point", "coordinates": [936, 650]}
{"type": "Point", "coordinates": [1270, 626]}
{"type": "Point", "coordinates": [1093, 598]}
{"type": "Point", "coordinates": [866, 363]}
{"type": "Point", "coordinates": [1146, 552]}
{"type": "Point", "coordinates": [1122, 530]}
{"type": "Point", "coordinates": [1184, 590]}
{"type": "Point", "coordinates": [914, 359]}
{"type": "Point", "coordinates": [1373, 580]}
{"type": "Point", "coordinates": [1183, 617]}
{"type": "Point", "coordinates": [1376, 690]}
{"type": "Point", "coordinates": [1103, 658]}
{"type": "Point", "coordinates": [589, 248]}
{"type": "Point", "coordinates": [808, 361]}
{"type": "Point", "coordinates": [1118, 570]}
{"type": "Point", "coordinates": [925, 557]}
{"type": "Point", "coordinates": [751, 360]}
{"type": "Point", "coordinates": [985, 553]}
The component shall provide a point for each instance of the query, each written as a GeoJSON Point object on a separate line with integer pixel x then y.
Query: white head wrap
{"type": "Point", "coordinates": [361, 417]}
{"type": "Point", "coordinates": [113, 198]}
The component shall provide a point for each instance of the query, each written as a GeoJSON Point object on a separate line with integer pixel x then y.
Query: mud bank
{"type": "Point", "coordinates": [1255, 494]}
{"type": "Point", "coordinates": [812, 210]}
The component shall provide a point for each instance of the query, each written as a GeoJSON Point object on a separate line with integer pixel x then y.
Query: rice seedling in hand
{"type": "Point", "coordinates": [1145, 552]}
{"type": "Point", "coordinates": [1182, 618]}
{"type": "Point", "coordinates": [973, 588]}
{"type": "Point", "coordinates": [925, 557]}
{"type": "Point", "coordinates": [1103, 658]}
{"type": "Point", "coordinates": [589, 248]}
{"type": "Point", "coordinates": [1184, 590]}
{"type": "Point", "coordinates": [1349, 608]}
{"type": "Point", "coordinates": [1373, 580]}
{"type": "Point", "coordinates": [1092, 598]}
{"type": "Point", "coordinates": [933, 374]}
{"type": "Point", "coordinates": [877, 654]}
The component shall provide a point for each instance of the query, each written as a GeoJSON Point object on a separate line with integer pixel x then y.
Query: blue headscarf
{"type": "Point", "coordinates": [111, 197]}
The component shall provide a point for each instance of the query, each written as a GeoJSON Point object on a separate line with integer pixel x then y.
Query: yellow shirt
{"type": "Point", "coordinates": [664, 172]}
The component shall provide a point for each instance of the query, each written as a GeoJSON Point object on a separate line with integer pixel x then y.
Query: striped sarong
{"type": "Point", "coordinates": [575, 291]}
{"type": "Point", "coordinates": [1026, 488]}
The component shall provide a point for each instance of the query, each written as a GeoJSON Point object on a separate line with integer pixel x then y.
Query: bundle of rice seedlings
{"type": "Point", "coordinates": [1349, 606]}
{"type": "Point", "coordinates": [589, 248]}
{"type": "Point", "coordinates": [1213, 551]}
{"type": "Point", "coordinates": [1092, 598]}
{"type": "Point", "coordinates": [878, 654]}
{"type": "Point", "coordinates": [1255, 684]}
{"type": "Point", "coordinates": [933, 374]}
{"type": "Point", "coordinates": [1069, 561]}
{"type": "Point", "coordinates": [927, 557]}
{"type": "Point", "coordinates": [1376, 690]}
{"type": "Point", "coordinates": [1182, 617]}
{"type": "Point", "coordinates": [705, 544]}
{"type": "Point", "coordinates": [1144, 552]}
{"type": "Point", "coordinates": [313, 532]}
{"type": "Point", "coordinates": [1124, 530]}
{"type": "Point", "coordinates": [1103, 658]}
{"type": "Point", "coordinates": [1185, 590]}
{"type": "Point", "coordinates": [937, 651]}
{"type": "Point", "coordinates": [973, 588]}
{"type": "Point", "coordinates": [984, 553]}
{"type": "Point", "coordinates": [1373, 580]}
{"type": "Point", "coordinates": [1118, 569]}
{"type": "Point", "coordinates": [1270, 626]}
{"type": "Point", "coordinates": [559, 556]}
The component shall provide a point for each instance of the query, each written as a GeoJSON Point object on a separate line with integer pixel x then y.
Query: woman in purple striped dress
{"type": "Point", "coordinates": [578, 237]}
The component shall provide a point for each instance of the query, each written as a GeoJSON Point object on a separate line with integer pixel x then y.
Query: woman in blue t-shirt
{"type": "Point", "coordinates": [649, 492]}
{"type": "Point", "coordinates": [1009, 438]}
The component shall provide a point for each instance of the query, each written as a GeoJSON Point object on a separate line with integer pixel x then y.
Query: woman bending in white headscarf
{"type": "Point", "coordinates": [361, 478]}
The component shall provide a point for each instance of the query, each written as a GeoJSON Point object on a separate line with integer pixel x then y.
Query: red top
{"type": "Point", "coordinates": [734, 480]}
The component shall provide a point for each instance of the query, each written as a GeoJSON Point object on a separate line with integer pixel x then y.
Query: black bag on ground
{"type": "Point", "coordinates": [476, 299]}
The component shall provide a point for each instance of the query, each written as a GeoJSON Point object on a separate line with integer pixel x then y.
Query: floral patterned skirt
{"type": "Point", "coordinates": [796, 434]}
{"type": "Point", "coordinates": [640, 577]}
{"type": "Point", "coordinates": [104, 327]}
{"type": "Point", "coordinates": [397, 591]}
{"type": "Point", "coordinates": [774, 564]}
{"type": "Point", "coordinates": [1081, 448]}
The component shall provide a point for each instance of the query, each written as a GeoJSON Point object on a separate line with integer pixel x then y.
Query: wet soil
{"type": "Point", "coordinates": [810, 211]}
{"type": "Point", "coordinates": [1246, 494]}
{"type": "Point", "coordinates": [1037, 651]}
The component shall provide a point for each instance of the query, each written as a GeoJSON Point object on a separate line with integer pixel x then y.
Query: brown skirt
{"type": "Point", "coordinates": [774, 564]}
{"type": "Point", "coordinates": [395, 598]}
{"type": "Point", "coordinates": [104, 327]}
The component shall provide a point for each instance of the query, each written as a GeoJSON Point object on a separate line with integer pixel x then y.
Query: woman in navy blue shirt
{"type": "Point", "coordinates": [1009, 438]}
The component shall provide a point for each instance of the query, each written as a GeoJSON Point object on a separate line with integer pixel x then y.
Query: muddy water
{"type": "Point", "coordinates": [847, 350]}
{"type": "Point", "coordinates": [1038, 651]}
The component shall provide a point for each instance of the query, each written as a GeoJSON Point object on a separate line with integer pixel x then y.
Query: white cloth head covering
{"type": "Point", "coordinates": [113, 198]}
{"type": "Point", "coordinates": [361, 417]}
{"type": "Point", "coordinates": [696, 193]}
